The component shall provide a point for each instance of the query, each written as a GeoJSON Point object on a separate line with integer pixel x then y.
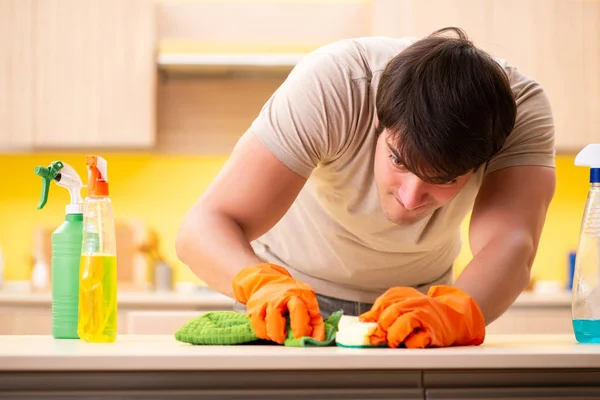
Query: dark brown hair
{"type": "Point", "coordinates": [447, 106]}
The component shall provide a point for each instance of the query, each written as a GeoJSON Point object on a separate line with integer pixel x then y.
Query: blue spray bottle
{"type": "Point", "coordinates": [585, 306]}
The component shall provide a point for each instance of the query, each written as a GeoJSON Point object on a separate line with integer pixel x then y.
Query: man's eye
{"type": "Point", "coordinates": [452, 182]}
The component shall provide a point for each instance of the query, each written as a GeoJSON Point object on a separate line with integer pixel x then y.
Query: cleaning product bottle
{"type": "Point", "coordinates": [585, 306]}
{"type": "Point", "coordinates": [98, 270]}
{"type": "Point", "coordinates": [66, 249]}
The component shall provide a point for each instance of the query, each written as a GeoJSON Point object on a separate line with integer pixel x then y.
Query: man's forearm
{"type": "Point", "coordinates": [215, 249]}
{"type": "Point", "coordinates": [498, 274]}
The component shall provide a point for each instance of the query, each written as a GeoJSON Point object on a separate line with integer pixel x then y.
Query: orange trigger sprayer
{"type": "Point", "coordinates": [97, 176]}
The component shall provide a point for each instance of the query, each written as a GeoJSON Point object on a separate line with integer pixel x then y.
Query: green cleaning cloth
{"type": "Point", "coordinates": [232, 327]}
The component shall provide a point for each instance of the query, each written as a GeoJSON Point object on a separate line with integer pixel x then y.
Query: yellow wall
{"type": "Point", "coordinates": [159, 189]}
{"type": "Point", "coordinates": [155, 188]}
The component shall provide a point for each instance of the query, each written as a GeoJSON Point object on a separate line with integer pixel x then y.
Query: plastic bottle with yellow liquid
{"type": "Point", "coordinates": [97, 320]}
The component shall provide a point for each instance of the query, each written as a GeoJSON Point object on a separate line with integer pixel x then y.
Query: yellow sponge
{"type": "Point", "coordinates": [354, 333]}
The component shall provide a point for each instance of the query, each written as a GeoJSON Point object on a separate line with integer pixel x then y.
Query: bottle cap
{"type": "Point", "coordinates": [74, 209]}
{"type": "Point", "coordinates": [589, 156]}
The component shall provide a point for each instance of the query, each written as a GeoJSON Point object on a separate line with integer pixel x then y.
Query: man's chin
{"type": "Point", "coordinates": [406, 219]}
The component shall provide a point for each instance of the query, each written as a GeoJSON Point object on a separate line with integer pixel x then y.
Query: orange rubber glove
{"type": "Point", "coordinates": [270, 294]}
{"type": "Point", "coordinates": [446, 316]}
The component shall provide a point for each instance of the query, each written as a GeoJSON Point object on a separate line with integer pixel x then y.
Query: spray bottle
{"type": "Point", "coordinates": [66, 249]}
{"type": "Point", "coordinates": [98, 271]}
{"type": "Point", "coordinates": [585, 306]}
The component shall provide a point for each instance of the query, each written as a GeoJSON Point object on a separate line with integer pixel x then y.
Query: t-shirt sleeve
{"type": "Point", "coordinates": [531, 141]}
{"type": "Point", "coordinates": [303, 122]}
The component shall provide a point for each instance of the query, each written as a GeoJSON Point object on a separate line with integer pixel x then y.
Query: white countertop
{"type": "Point", "coordinates": [157, 352]}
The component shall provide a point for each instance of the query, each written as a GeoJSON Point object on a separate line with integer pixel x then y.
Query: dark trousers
{"type": "Point", "coordinates": [328, 305]}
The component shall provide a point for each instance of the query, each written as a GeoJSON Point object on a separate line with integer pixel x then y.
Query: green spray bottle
{"type": "Point", "coordinates": [66, 249]}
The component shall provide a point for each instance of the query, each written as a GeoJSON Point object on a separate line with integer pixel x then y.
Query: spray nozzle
{"type": "Point", "coordinates": [64, 175]}
{"type": "Point", "coordinates": [589, 156]}
{"type": "Point", "coordinates": [48, 174]}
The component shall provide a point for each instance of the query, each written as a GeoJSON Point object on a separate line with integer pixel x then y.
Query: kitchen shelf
{"type": "Point", "coordinates": [199, 63]}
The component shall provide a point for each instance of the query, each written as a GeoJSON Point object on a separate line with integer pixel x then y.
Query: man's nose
{"type": "Point", "coordinates": [413, 192]}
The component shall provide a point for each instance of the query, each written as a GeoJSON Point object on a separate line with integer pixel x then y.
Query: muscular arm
{"type": "Point", "coordinates": [504, 233]}
{"type": "Point", "coordinates": [249, 195]}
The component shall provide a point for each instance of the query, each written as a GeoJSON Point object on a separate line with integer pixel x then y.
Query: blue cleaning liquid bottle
{"type": "Point", "coordinates": [585, 306]}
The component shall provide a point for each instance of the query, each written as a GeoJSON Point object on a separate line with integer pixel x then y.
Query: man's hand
{"type": "Point", "coordinates": [445, 317]}
{"type": "Point", "coordinates": [270, 294]}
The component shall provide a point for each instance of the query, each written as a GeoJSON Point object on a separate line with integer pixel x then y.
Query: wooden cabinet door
{"type": "Point", "coordinates": [523, 393]}
{"type": "Point", "coordinates": [533, 320]}
{"type": "Point", "coordinates": [16, 75]}
{"type": "Point", "coordinates": [7, 322]}
{"type": "Point", "coordinates": [94, 73]}
{"type": "Point", "coordinates": [419, 18]}
{"type": "Point", "coordinates": [35, 321]}
{"type": "Point", "coordinates": [158, 322]}
{"type": "Point", "coordinates": [557, 43]}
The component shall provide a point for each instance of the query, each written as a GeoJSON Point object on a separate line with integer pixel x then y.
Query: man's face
{"type": "Point", "coordinates": [404, 197]}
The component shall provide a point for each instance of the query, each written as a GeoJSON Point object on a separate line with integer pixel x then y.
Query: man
{"type": "Point", "coordinates": [349, 189]}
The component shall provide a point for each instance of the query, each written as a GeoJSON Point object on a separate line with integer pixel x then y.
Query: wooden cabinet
{"type": "Point", "coordinates": [558, 43]}
{"type": "Point", "coordinates": [16, 75]}
{"type": "Point", "coordinates": [32, 322]}
{"type": "Point", "coordinates": [25, 321]}
{"type": "Point", "coordinates": [555, 320]}
{"type": "Point", "coordinates": [258, 26]}
{"type": "Point", "coordinates": [517, 320]}
{"type": "Point", "coordinates": [38, 321]}
{"type": "Point", "coordinates": [419, 18]}
{"type": "Point", "coordinates": [513, 383]}
{"type": "Point", "coordinates": [143, 312]}
{"type": "Point", "coordinates": [80, 74]}
{"type": "Point", "coordinates": [523, 393]}
{"type": "Point", "coordinates": [158, 322]}
{"type": "Point", "coordinates": [148, 320]}
{"type": "Point", "coordinates": [6, 322]}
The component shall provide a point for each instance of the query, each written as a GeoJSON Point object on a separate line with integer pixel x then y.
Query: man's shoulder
{"type": "Point", "coordinates": [531, 142]}
{"type": "Point", "coordinates": [366, 44]}
{"type": "Point", "coordinates": [521, 82]}
{"type": "Point", "coordinates": [361, 55]}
